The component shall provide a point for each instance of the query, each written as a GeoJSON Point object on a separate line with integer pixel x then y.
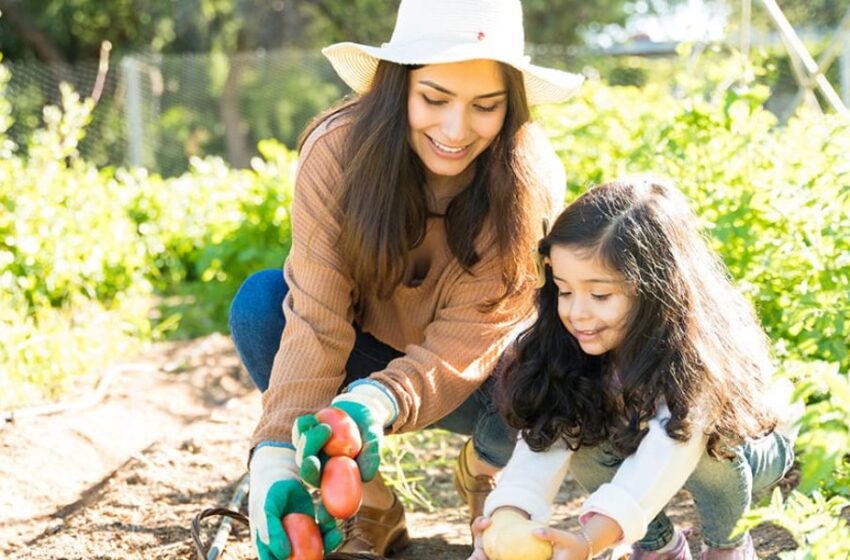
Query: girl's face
{"type": "Point", "coordinates": [594, 302]}
{"type": "Point", "coordinates": [455, 111]}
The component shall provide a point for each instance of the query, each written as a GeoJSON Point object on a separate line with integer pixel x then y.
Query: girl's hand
{"type": "Point", "coordinates": [478, 527]}
{"type": "Point", "coordinates": [566, 545]}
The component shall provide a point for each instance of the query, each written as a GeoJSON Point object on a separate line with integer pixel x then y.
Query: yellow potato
{"type": "Point", "coordinates": [509, 538]}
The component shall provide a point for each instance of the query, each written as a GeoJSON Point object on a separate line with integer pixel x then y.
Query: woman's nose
{"type": "Point", "coordinates": [456, 125]}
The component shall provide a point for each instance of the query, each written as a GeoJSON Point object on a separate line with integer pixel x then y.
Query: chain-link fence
{"type": "Point", "coordinates": [158, 111]}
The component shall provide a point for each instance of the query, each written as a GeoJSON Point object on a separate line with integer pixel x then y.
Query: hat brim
{"type": "Point", "coordinates": [356, 65]}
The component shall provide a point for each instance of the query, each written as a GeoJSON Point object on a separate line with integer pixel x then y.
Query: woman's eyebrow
{"type": "Point", "coordinates": [441, 89]}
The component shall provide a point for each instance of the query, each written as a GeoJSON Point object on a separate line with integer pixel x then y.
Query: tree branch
{"type": "Point", "coordinates": [33, 36]}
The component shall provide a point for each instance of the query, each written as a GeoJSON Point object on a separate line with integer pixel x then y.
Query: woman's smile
{"type": "Point", "coordinates": [444, 150]}
{"type": "Point", "coordinates": [455, 111]}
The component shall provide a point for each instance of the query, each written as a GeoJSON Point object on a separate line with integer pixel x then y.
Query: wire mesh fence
{"type": "Point", "coordinates": [158, 111]}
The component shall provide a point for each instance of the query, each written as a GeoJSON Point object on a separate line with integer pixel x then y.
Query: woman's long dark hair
{"type": "Point", "coordinates": [692, 340]}
{"type": "Point", "coordinates": [384, 199]}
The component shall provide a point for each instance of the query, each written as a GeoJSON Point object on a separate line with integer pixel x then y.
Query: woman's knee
{"type": "Point", "coordinates": [258, 301]}
{"type": "Point", "coordinates": [256, 323]}
{"type": "Point", "coordinates": [770, 458]}
{"type": "Point", "coordinates": [495, 446]}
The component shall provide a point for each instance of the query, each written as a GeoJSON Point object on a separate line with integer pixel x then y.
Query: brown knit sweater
{"type": "Point", "coordinates": [450, 345]}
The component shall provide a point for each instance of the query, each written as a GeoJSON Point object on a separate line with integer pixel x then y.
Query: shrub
{"type": "Point", "coordinates": [776, 201]}
{"type": "Point", "coordinates": [84, 251]}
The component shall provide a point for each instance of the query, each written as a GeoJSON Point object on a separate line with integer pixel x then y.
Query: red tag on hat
{"type": "Point", "coordinates": [481, 35]}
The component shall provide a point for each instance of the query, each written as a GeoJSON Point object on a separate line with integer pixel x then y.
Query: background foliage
{"type": "Point", "coordinates": [83, 251]}
{"type": "Point", "coordinates": [221, 75]}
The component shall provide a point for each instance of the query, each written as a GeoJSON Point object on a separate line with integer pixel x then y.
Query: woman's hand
{"type": "Point", "coordinates": [478, 527]}
{"type": "Point", "coordinates": [370, 406]}
{"type": "Point", "coordinates": [276, 492]}
{"type": "Point", "coordinates": [566, 545]}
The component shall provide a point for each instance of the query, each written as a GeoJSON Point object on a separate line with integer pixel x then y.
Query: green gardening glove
{"type": "Point", "coordinates": [276, 492]}
{"type": "Point", "coordinates": [371, 433]}
{"type": "Point", "coordinates": [371, 406]}
{"type": "Point", "coordinates": [309, 436]}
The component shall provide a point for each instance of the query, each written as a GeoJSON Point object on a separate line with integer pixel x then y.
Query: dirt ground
{"type": "Point", "coordinates": [123, 479]}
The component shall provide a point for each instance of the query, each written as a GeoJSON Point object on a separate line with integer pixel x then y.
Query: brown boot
{"type": "Point", "coordinates": [473, 490]}
{"type": "Point", "coordinates": [373, 534]}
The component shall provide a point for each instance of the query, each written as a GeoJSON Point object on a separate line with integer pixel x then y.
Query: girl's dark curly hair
{"type": "Point", "coordinates": [693, 341]}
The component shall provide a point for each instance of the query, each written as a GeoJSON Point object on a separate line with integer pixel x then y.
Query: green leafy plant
{"type": "Point", "coordinates": [824, 442]}
{"type": "Point", "coordinates": [813, 521]}
{"type": "Point", "coordinates": [86, 253]}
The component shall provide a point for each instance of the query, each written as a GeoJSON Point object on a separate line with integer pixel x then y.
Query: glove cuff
{"type": "Point", "coordinates": [274, 455]}
{"type": "Point", "coordinates": [375, 397]}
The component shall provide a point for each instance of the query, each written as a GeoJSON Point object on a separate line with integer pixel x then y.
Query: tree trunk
{"type": "Point", "coordinates": [235, 128]}
{"type": "Point", "coordinates": [37, 39]}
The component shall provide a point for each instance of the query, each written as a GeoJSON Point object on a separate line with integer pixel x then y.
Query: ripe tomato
{"type": "Point", "coordinates": [345, 439]}
{"type": "Point", "coordinates": [304, 536]}
{"type": "Point", "coordinates": [341, 488]}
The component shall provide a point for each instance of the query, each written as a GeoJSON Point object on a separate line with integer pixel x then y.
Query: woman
{"type": "Point", "coordinates": [416, 207]}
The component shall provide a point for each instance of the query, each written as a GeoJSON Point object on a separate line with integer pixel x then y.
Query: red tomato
{"type": "Point", "coordinates": [304, 536]}
{"type": "Point", "coordinates": [345, 439]}
{"type": "Point", "coordinates": [341, 488]}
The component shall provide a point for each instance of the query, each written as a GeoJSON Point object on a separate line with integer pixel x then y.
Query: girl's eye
{"type": "Point", "coordinates": [564, 294]}
{"type": "Point", "coordinates": [430, 101]}
{"type": "Point", "coordinates": [487, 108]}
{"type": "Point", "coordinates": [600, 297]}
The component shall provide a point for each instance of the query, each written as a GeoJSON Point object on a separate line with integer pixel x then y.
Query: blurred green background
{"type": "Point", "coordinates": [214, 77]}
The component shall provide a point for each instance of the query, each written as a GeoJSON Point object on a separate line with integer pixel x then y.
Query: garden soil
{"type": "Point", "coordinates": [123, 479]}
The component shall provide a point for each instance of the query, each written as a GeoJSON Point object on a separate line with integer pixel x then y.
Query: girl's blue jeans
{"type": "Point", "coordinates": [721, 489]}
{"type": "Point", "coordinates": [256, 324]}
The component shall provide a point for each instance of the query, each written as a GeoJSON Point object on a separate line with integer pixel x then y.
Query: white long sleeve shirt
{"type": "Point", "coordinates": [644, 483]}
{"type": "Point", "coordinates": [642, 486]}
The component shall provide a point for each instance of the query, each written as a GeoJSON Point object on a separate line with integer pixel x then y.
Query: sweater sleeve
{"type": "Point", "coordinates": [532, 494]}
{"type": "Point", "coordinates": [647, 479]}
{"type": "Point", "coordinates": [309, 366]}
{"type": "Point", "coordinates": [461, 346]}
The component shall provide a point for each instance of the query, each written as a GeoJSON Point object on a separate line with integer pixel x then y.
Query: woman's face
{"type": "Point", "coordinates": [594, 302]}
{"type": "Point", "coordinates": [455, 111]}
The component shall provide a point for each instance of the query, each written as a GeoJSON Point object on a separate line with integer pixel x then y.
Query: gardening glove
{"type": "Point", "coordinates": [371, 406]}
{"type": "Point", "coordinates": [275, 492]}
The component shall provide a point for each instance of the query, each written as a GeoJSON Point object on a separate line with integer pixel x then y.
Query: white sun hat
{"type": "Point", "coordinates": [441, 31]}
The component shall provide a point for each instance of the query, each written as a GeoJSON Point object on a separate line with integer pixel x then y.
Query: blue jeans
{"type": "Point", "coordinates": [721, 489]}
{"type": "Point", "coordinates": [256, 324]}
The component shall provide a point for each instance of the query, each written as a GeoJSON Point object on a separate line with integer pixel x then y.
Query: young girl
{"type": "Point", "coordinates": [644, 372]}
